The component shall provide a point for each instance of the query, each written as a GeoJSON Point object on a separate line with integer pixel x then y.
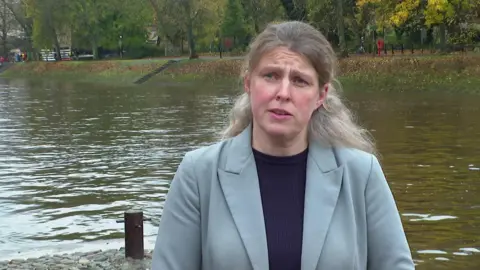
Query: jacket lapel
{"type": "Point", "coordinates": [324, 179]}
{"type": "Point", "coordinates": [239, 181]}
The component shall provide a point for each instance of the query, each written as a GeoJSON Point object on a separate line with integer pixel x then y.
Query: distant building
{"type": "Point", "coordinates": [154, 39]}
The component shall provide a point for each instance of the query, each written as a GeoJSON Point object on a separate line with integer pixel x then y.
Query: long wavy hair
{"type": "Point", "coordinates": [332, 123]}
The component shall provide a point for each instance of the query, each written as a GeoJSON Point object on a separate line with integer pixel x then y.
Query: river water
{"type": "Point", "coordinates": [74, 157]}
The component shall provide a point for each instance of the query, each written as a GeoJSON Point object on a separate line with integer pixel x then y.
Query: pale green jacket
{"type": "Point", "coordinates": [212, 218]}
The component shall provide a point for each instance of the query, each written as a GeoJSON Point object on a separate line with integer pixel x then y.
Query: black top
{"type": "Point", "coordinates": [282, 187]}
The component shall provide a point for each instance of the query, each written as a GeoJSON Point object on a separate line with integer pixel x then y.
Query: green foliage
{"type": "Point", "coordinates": [90, 23]}
{"type": "Point", "coordinates": [464, 36]}
{"type": "Point", "coordinates": [49, 19]}
{"type": "Point", "coordinates": [321, 13]}
{"type": "Point", "coordinates": [94, 24]}
{"type": "Point", "coordinates": [234, 21]}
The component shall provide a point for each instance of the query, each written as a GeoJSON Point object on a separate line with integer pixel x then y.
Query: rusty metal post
{"type": "Point", "coordinates": [134, 235]}
{"type": "Point", "coordinates": [134, 247]}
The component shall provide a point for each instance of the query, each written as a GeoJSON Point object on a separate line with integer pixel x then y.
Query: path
{"type": "Point", "coordinates": [176, 60]}
{"type": "Point", "coordinates": [155, 72]}
{"type": "Point", "coordinates": [5, 66]}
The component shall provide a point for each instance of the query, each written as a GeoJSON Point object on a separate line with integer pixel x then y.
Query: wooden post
{"type": "Point", "coordinates": [134, 235]}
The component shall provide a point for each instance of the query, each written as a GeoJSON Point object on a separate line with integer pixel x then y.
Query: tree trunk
{"type": "Point", "coordinates": [443, 38]}
{"type": "Point", "coordinates": [57, 44]}
{"type": "Point", "coordinates": [54, 36]}
{"type": "Point", "coordinates": [156, 20]}
{"type": "Point", "coordinates": [165, 46]}
{"type": "Point", "coordinates": [93, 42]}
{"type": "Point", "coordinates": [190, 35]}
{"type": "Point", "coordinates": [182, 49]}
{"type": "Point", "coordinates": [358, 31]}
{"type": "Point", "coordinates": [4, 30]}
{"type": "Point", "coordinates": [191, 40]}
{"type": "Point", "coordinates": [256, 27]}
{"type": "Point", "coordinates": [341, 29]}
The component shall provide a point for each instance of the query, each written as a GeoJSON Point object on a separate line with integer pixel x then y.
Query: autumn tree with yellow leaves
{"type": "Point", "coordinates": [200, 25]}
{"type": "Point", "coordinates": [445, 14]}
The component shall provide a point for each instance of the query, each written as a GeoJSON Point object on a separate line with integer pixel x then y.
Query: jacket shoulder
{"type": "Point", "coordinates": [207, 151]}
{"type": "Point", "coordinates": [358, 162]}
{"type": "Point", "coordinates": [351, 156]}
{"type": "Point", "coordinates": [208, 155]}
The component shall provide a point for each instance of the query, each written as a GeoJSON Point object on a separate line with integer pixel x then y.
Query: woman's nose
{"type": "Point", "coordinates": [284, 89]}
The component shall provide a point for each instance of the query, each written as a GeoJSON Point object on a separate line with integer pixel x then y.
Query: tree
{"type": "Point", "coordinates": [6, 22]}
{"type": "Point", "coordinates": [234, 21]}
{"type": "Point", "coordinates": [50, 18]}
{"type": "Point", "coordinates": [295, 9]}
{"type": "Point", "coordinates": [87, 19]}
{"type": "Point", "coordinates": [19, 13]}
{"type": "Point", "coordinates": [410, 15]}
{"type": "Point", "coordinates": [328, 16]}
{"type": "Point", "coordinates": [180, 16]}
{"type": "Point", "coordinates": [168, 23]}
{"type": "Point", "coordinates": [445, 13]}
{"type": "Point", "coordinates": [341, 28]}
{"type": "Point", "coordinates": [258, 13]}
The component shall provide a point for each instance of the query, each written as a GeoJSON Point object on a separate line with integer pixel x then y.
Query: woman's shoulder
{"type": "Point", "coordinates": [208, 155]}
{"type": "Point", "coordinates": [210, 150]}
{"type": "Point", "coordinates": [360, 163]}
{"type": "Point", "coordinates": [352, 156]}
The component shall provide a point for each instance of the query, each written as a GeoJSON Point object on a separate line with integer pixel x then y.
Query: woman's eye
{"type": "Point", "coordinates": [300, 81]}
{"type": "Point", "coordinates": [270, 76]}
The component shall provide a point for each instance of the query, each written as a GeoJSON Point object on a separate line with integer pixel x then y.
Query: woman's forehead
{"type": "Point", "coordinates": [284, 58]}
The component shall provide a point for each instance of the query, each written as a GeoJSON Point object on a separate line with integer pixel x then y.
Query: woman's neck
{"type": "Point", "coordinates": [264, 143]}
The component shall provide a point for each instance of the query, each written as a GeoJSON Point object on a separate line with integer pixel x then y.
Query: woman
{"type": "Point", "coordinates": [294, 185]}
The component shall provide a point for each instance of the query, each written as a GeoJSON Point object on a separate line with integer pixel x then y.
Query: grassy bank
{"type": "Point", "coordinates": [422, 73]}
{"type": "Point", "coordinates": [119, 72]}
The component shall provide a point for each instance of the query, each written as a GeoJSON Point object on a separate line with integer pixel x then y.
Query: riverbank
{"type": "Point", "coordinates": [458, 73]}
{"type": "Point", "coordinates": [112, 259]}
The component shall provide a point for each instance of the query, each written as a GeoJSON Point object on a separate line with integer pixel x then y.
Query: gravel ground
{"type": "Point", "coordinates": [96, 260]}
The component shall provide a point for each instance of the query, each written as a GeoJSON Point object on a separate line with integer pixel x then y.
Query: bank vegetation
{"type": "Point", "coordinates": [454, 73]}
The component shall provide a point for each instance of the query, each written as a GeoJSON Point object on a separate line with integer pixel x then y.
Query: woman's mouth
{"type": "Point", "coordinates": [280, 114]}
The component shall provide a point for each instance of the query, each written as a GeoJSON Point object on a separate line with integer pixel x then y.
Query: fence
{"type": "Point", "coordinates": [49, 55]}
{"type": "Point", "coordinates": [401, 49]}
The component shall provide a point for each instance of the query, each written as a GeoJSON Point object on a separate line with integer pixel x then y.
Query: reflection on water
{"type": "Point", "coordinates": [429, 146]}
{"type": "Point", "coordinates": [73, 158]}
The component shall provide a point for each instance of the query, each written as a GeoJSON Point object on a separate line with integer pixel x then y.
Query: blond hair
{"type": "Point", "coordinates": [333, 123]}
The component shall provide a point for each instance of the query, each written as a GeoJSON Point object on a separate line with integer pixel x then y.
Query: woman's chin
{"type": "Point", "coordinates": [282, 131]}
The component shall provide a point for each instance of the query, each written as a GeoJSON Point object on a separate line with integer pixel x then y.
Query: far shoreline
{"type": "Point", "coordinates": [456, 72]}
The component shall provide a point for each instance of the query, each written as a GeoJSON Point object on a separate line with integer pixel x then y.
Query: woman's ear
{"type": "Point", "coordinates": [323, 95]}
{"type": "Point", "coordinates": [246, 83]}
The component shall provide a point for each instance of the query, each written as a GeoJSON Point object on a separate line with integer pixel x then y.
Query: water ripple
{"type": "Point", "coordinates": [71, 164]}
{"type": "Point", "coordinates": [74, 158]}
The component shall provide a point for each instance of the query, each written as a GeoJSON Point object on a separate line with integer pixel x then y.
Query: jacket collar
{"type": "Point", "coordinates": [241, 146]}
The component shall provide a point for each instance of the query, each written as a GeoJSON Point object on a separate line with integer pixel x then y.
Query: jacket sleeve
{"type": "Point", "coordinates": [178, 243]}
{"type": "Point", "coordinates": [387, 243]}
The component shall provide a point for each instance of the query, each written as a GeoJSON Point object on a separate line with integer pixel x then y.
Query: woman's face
{"type": "Point", "coordinates": [284, 92]}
